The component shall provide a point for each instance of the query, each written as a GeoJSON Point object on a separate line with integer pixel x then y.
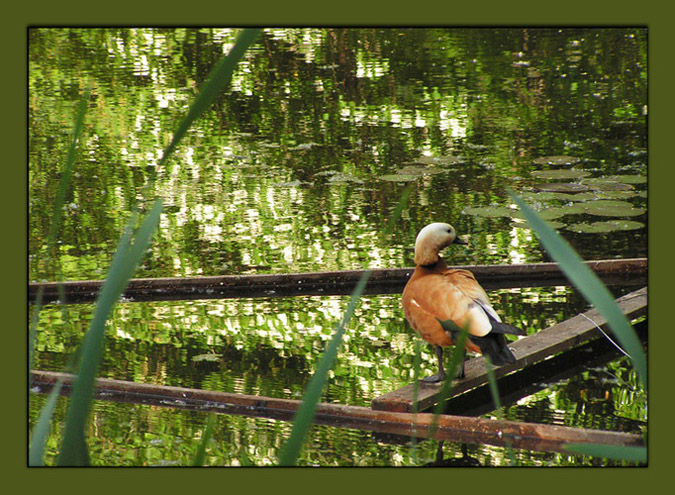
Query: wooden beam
{"type": "Point", "coordinates": [529, 436]}
{"type": "Point", "coordinates": [531, 379]}
{"type": "Point", "coordinates": [382, 281]}
{"type": "Point", "coordinates": [527, 350]}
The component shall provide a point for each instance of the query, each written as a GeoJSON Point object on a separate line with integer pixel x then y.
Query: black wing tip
{"type": "Point", "coordinates": [494, 346]}
{"type": "Point", "coordinates": [505, 328]}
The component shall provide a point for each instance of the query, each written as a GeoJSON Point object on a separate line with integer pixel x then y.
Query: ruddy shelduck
{"type": "Point", "coordinates": [439, 302]}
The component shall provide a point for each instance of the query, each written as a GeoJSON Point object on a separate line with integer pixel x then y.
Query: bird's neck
{"type": "Point", "coordinates": [438, 266]}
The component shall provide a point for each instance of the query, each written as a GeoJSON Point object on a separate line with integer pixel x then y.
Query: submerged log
{"type": "Point", "coordinates": [625, 272]}
{"type": "Point", "coordinates": [527, 350]}
{"type": "Point", "coordinates": [529, 436]}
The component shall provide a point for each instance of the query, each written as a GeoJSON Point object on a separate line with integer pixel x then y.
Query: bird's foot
{"type": "Point", "coordinates": [461, 373]}
{"type": "Point", "coordinates": [438, 377]}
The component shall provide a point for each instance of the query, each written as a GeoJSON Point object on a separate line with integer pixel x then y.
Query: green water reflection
{"type": "Point", "coordinates": [298, 168]}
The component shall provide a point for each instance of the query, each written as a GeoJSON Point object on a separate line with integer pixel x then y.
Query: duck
{"type": "Point", "coordinates": [438, 302]}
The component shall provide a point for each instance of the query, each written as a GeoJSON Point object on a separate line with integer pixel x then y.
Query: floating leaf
{"type": "Point", "coordinates": [413, 170]}
{"type": "Point", "coordinates": [560, 174]}
{"type": "Point", "coordinates": [631, 193]}
{"type": "Point", "coordinates": [491, 211]}
{"type": "Point", "coordinates": [206, 357]}
{"type": "Point", "coordinates": [341, 178]}
{"type": "Point", "coordinates": [628, 178]}
{"type": "Point", "coordinates": [522, 223]}
{"type": "Point", "coordinates": [558, 161]}
{"type": "Point", "coordinates": [605, 227]}
{"type": "Point", "coordinates": [605, 184]}
{"type": "Point", "coordinates": [561, 187]}
{"type": "Point", "coordinates": [438, 160]}
{"type": "Point", "coordinates": [542, 196]}
{"type": "Point", "coordinates": [399, 177]}
{"type": "Point", "coordinates": [611, 208]}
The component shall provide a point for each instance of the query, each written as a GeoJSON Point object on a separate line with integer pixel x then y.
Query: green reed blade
{"type": "Point", "coordinates": [67, 172]}
{"type": "Point", "coordinates": [208, 433]}
{"type": "Point", "coordinates": [126, 259]}
{"type": "Point", "coordinates": [619, 452]}
{"type": "Point", "coordinates": [218, 79]}
{"type": "Point", "coordinates": [305, 413]}
{"type": "Point", "coordinates": [494, 392]}
{"type": "Point", "coordinates": [57, 212]}
{"type": "Point", "coordinates": [41, 429]}
{"type": "Point", "coordinates": [589, 285]}
{"type": "Point", "coordinates": [456, 361]}
{"type": "Point", "coordinates": [40, 432]}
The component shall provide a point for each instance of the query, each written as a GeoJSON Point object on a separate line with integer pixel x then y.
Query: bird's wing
{"type": "Point", "coordinates": [447, 296]}
{"type": "Point", "coordinates": [466, 282]}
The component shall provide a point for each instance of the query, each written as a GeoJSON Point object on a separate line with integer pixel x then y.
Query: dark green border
{"type": "Point", "coordinates": [654, 14]}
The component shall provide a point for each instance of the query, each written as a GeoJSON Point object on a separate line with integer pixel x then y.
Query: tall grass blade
{"type": "Point", "coordinates": [496, 400]}
{"type": "Point", "coordinates": [208, 433]}
{"type": "Point", "coordinates": [57, 214]}
{"type": "Point", "coordinates": [305, 414]}
{"type": "Point", "coordinates": [41, 430]}
{"type": "Point", "coordinates": [67, 172]}
{"type": "Point", "coordinates": [126, 259]}
{"type": "Point", "coordinates": [456, 361]}
{"type": "Point", "coordinates": [589, 285]}
{"type": "Point", "coordinates": [619, 452]}
{"type": "Point", "coordinates": [218, 78]}
{"type": "Point", "coordinates": [36, 451]}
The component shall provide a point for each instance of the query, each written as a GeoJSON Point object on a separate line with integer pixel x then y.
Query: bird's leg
{"type": "Point", "coordinates": [441, 372]}
{"type": "Point", "coordinates": [461, 373]}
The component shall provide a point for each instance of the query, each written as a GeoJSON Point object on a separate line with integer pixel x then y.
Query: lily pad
{"type": "Point", "coordinates": [490, 211]}
{"type": "Point", "coordinates": [522, 223]}
{"type": "Point", "coordinates": [611, 208]}
{"type": "Point", "coordinates": [341, 178]}
{"type": "Point", "coordinates": [495, 211]}
{"type": "Point", "coordinates": [628, 178]}
{"type": "Point", "coordinates": [605, 226]}
{"type": "Point", "coordinates": [560, 174]}
{"type": "Point", "coordinates": [605, 184]}
{"type": "Point", "coordinates": [399, 177]}
{"type": "Point", "coordinates": [438, 160]}
{"type": "Point", "coordinates": [561, 187]}
{"type": "Point", "coordinates": [206, 357]}
{"type": "Point", "coordinates": [558, 161]}
{"type": "Point", "coordinates": [413, 170]}
{"type": "Point", "coordinates": [541, 196]}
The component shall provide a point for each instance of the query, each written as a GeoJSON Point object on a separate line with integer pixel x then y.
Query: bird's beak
{"type": "Point", "coordinates": [460, 241]}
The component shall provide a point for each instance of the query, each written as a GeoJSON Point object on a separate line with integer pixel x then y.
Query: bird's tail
{"type": "Point", "coordinates": [494, 346]}
{"type": "Point", "coordinates": [499, 327]}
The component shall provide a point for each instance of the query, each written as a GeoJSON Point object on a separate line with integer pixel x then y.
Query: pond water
{"type": "Point", "coordinates": [298, 168]}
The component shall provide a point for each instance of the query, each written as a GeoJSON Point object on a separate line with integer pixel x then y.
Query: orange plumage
{"type": "Point", "coordinates": [436, 293]}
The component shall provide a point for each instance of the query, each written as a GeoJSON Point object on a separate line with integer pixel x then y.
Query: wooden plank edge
{"type": "Point", "coordinates": [527, 350]}
{"type": "Point", "coordinates": [501, 433]}
{"type": "Point", "coordinates": [630, 271]}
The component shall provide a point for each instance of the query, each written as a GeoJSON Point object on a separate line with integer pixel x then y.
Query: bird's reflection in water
{"type": "Point", "coordinates": [464, 461]}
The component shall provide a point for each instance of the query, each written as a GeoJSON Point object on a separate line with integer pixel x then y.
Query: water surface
{"type": "Point", "coordinates": [298, 167]}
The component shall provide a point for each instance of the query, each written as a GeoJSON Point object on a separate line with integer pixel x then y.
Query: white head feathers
{"type": "Point", "coordinates": [431, 239]}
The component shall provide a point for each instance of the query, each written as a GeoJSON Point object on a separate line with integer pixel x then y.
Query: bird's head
{"type": "Point", "coordinates": [431, 239]}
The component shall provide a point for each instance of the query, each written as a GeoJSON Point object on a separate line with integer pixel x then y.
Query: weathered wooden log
{"type": "Point", "coordinates": [529, 436]}
{"type": "Point", "coordinates": [528, 350]}
{"type": "Point", "coordinates": [382, 281]}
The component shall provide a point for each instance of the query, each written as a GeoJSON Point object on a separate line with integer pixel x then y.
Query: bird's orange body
{"type": "Point", "coordinates": [436, 293]}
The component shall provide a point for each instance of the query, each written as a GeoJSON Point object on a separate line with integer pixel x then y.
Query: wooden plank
{"type": "Point", "coordinates": [529, 436]}
{"type": "Point", "coordinates": [531, 379]}
{"type": "Point", "coordinates": [382, 281]}
{"type": "Point", "coordinates": [527, 350]}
